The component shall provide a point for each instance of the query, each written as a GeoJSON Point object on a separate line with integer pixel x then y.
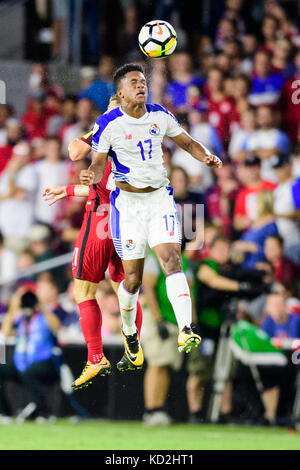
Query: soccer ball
{"type": "Point", "coordinates": [157, 39]}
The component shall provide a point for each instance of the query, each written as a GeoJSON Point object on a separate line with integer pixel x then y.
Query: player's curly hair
{"type": "Point", "coordinates": [122, 71]}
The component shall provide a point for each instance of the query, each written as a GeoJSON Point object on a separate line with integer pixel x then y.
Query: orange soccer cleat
{"type": "Point", "coordinates": [90, 371]}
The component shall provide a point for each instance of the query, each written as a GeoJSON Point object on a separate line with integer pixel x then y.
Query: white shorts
{"type": "Point", "coordinates": [139, 220]}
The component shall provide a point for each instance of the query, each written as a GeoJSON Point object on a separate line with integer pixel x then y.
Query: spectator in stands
{"type": "Point", "coordinates": [8, 261]}
{"type": "Point", "coordinates": [249, 44]}
{"type": "Point", "coordinates": [87, 76]}
{"type": "Point", "coordinates": [26, 259]}
{"type": "Point", "coordinates": [221, 110]}
{"type": "Point", "coordinates": [200, 176]}
{"type": "Point", "coordinates": [40, 238]}
{"type": "Point", "coordinates": [233, 12]}
{"type": "Point", "coordinates": [206, 133]}
{"type": "Point", "coordinates": [18, 190]}
{"type": "Point", "coordinates": [159, 342]}
{"type": "Point", "coordinates": [85, 117]}
{"type": "Point", "coordinates": [35, 120]}
{"type": "Point", "coordinates": [69, 305]}
{"type": "Point", "coordinates": [251, 244]}
{"type": "Point", "coordinates": [270, 30]}
{"type": "Point", "coordinates": [283, 268]}
{"type": "Point", "coordinates": [33, 364]}
{"type": "Point", "coordinates": [233, 52]}
{"type": "Point", "coordinates": [182, 77]}
{"type": "Point", "coordinates": [266, 85]}
{"type": "Point", "coordinates": [110, 310]}
{"type": "Point", "coordinates": [157, 83]}
{"type": "Point", "coordinates": [227, 30]}
{"type": "Point", "coordinates": [286, 27]}
{"type": "Point", "coordinates": [187, 203]}
{"type": "Point", "coordinates": [287, 206]}
{"type": "Point", "coordinates": [281, 58]}
{"type": "Point", "coordinates": [6, 112]}
{"type": "Point", "coordinates": [57, 124]}
{"type": "Point", "coordinates": [245, 209]}
{"type": "Point", "coordinates": [13, 135]}
{"type": "Point", "coordinates": [51, 171]}
{"type": "Point", "coordinates": [220, 198]}
{"type": "Point", "coordinates": [102, 88]}
{"type": "Point", "coordinates": [223, 61]}
{"type": "Point", "coordinates": [242, 135]}
{"type": "Point", "coordinates": [241, 90]}
{"type": "Point", "coordinates": [14, 131]}
{"type": "Point", "coordinates": [279, 382]}
{"type": "Point", "coordinates": [70, 331]}
{"type": "Point", "coordinates": [48, 295]}
{"type": "Point", "coordinates": [266, 141]}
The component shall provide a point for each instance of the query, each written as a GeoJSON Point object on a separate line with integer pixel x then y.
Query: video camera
{"type": "Point", "coordinates": [29, 302]}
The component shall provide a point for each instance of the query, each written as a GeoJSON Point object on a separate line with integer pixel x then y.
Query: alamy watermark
{"type": "Point", "coordinates": [187, 221]}
{"type": "Point", "coordinates": [2, 92]}
{"type": "Point", "coordinates": [2, 352]}
{"type": "Point", "coordinates": [296, 93]}
{"type": "Point", "coordinates": [296, 357]}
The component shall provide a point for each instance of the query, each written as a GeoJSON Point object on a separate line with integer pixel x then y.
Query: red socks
{"type": "Point", "coordinates": [91, 322]}
{"type": "Point", "coordinates": [139, 318]}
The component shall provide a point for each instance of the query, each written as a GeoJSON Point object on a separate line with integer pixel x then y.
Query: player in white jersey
{"type": "Point", "coordinates": [143, 211]}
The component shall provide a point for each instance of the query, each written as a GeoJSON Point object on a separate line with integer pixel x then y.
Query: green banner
{"type": "Point", "coordinates": [251, 345]}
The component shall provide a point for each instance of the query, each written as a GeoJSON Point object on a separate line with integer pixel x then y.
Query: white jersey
{"type": "Point", "coordinates": [134, 144]}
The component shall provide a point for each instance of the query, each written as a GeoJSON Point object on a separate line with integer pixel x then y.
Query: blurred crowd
{"type": "Point", "coordinates": [239, 95]}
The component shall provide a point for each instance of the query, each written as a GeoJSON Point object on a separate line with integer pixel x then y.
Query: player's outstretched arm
{"type": "Point", "coordinates": [197, 150]}
{"type": "Point", "coordinates": [55, 193]}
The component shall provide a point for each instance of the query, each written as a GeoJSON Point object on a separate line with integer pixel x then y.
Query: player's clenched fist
{"type": "Point", "coordinates": [212, 161]}
{"type": "Point", "coordinates": [87, 177]}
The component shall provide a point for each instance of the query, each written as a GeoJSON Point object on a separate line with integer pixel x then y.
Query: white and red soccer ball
{"type": "Point", "coordinates": [157, 39]}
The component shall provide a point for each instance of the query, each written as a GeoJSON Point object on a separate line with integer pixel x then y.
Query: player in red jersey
{"type": "Point", "coordinates": [94, 253]}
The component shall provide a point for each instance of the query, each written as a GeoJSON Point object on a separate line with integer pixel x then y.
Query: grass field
{"type": "Point", "coordinates": [101, 434]}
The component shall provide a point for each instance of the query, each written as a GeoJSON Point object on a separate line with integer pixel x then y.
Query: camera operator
{"type": "Point", "coordinates": [33, 361]}
{"type": "Point", "coordinates": [218, 282]}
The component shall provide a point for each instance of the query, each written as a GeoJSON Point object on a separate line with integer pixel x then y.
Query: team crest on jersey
{"type": "Point", "coordinates": [129, 244]}
{"type": "Point", "coordinates": [154, 129]}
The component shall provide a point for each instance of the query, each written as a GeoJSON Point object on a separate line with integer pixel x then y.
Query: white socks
{"type": "Point", "coordinates": [178, 292]}
{"type": "Point", "coordinates": [127, 302]}
{"type": "Point", "coordinates": [179, 295]}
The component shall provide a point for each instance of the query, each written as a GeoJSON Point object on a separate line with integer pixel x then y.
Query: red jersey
{"type": "Point", "coordinates": [5, 156]}
{"type": "Point", "coordinates": [99, 193]}
{"type": "Point", "coordinates": [245, 203]}
{"type": "Point", "coordinates": [222, 114]}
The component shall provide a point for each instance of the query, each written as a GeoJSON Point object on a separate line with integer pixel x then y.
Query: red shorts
{"type": "Point", "coordinates": [94, 255]}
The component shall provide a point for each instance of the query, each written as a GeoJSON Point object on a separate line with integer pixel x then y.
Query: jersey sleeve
{"type": "Point", "coordinates": [101, 137]}
{"type": "Point", "coordinates": [173, 126]}
{"type": "Point", "coordinates": [88, 137]}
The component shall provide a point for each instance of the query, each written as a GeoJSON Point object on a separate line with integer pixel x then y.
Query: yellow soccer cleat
{"type": "Point", "coordinates": [90, 371]}
{"type": "Point", "coordinates": [187, 340]}
{"type": "Point", "coordinates": [133, 349]}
